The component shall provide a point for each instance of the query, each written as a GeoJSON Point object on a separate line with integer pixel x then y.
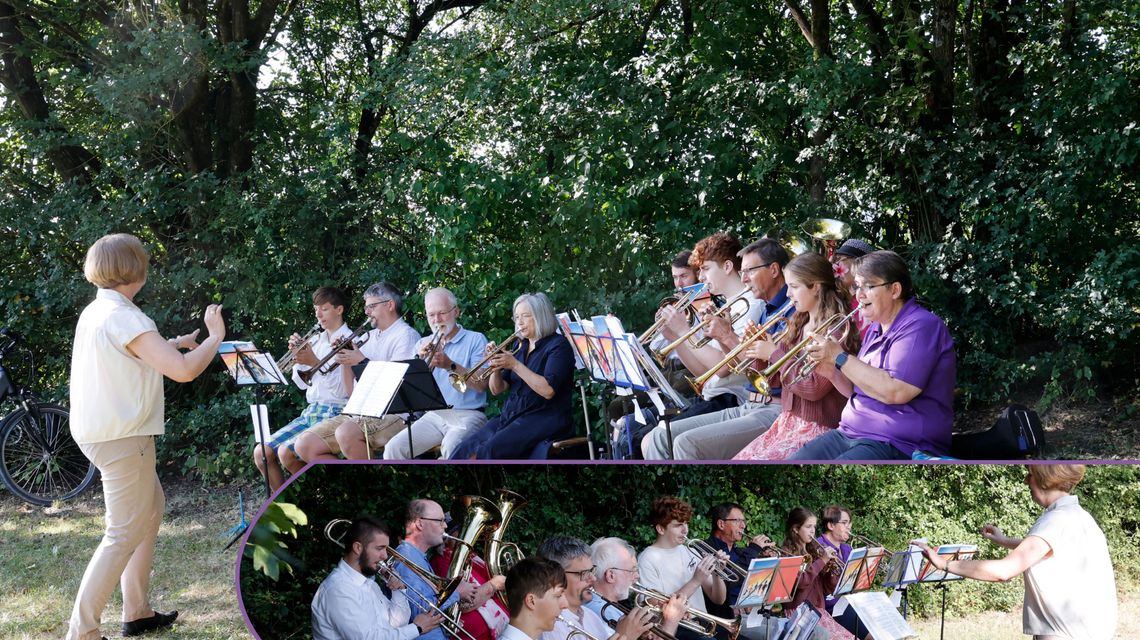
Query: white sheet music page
{"type": "Point", "coordinates": [373, 393]}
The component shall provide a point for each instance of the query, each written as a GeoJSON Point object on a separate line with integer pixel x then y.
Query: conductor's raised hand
{"type": "Point", "coordinates": [215, 324]}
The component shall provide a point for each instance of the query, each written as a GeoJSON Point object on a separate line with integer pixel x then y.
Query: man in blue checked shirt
{"type": "Point", "coordinates": [424, 526]}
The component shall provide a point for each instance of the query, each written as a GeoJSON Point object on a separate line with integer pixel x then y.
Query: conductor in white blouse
{"type": "Point", "coordinates": [350, 605]}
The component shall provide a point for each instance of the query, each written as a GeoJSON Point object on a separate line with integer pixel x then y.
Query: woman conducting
{"type": "Point", "coordinates": [540, 378]}
{"type": "Point", "coordinates": [117, 366]}
{"type": "Point", "coordinates": [1070, 588]}
{"type": "Point", "coordinates": [900, 386]}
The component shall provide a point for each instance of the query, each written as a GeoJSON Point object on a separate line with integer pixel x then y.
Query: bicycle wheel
{"type": "Point", "coordinates": [39, 461]}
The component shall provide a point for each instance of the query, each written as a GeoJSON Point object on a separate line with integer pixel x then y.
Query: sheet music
{"type": "Point", "coordinates": [247, 365]}
{"type": "Point", "coordinates": [373, 393]}
{"type": "Point", "coordinates": [879, 616]}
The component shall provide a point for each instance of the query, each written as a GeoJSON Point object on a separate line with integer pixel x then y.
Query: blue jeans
{"type": "Point", "coordinates": [833, 445]}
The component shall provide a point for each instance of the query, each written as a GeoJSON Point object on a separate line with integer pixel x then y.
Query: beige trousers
{"type": "Point", "coordinates": [135, 504]}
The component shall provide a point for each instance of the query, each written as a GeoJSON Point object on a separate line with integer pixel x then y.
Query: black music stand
{"type": "Point", "coordinates": [927, 574]}
{"type": "Point", "coordinates": [250, 367]}
{"type": "Point", "coordinates": [418, 393]}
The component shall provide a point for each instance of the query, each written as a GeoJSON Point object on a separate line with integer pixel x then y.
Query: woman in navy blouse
{"type": "Point", "coordinates": [540, 378]}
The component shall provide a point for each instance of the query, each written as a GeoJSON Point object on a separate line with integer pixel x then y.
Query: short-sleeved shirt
{"type": "Point", "coordinates": [114, 394]}
{"type": "Point", "coordinates": [397, 342]}
{"type": "Point", "coordinates": [917, 350]}
{"type": "Point", "coordinates": [465, 349]}
{"type": "Point", "coordinates": [1071, 593]}
{"type": "Point", "coordinates": [324, 388]}
{"type": "Point", "coordinates": [667, 570]}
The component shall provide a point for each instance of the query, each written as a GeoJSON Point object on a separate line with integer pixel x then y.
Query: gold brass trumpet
{"type": "Point", "coordinates": [682, 304]}
{"type": "Point", "coordinates": [477, 371]}
{"type": "Point", "coordinates": [745, 368]}
{"type": "Point", "coordinates": [727, 570]}
{"type": "Point", "coordinates": [695, 620]}
{"type": "Point", "coordinates": [352, 340]}
{"type": "Point", "coordinates": [803, 367]}
{"type": "Point", "coordinates": [624, 610]}
{"type": "Point", "coordinates": [289, 358]}
{"type": "Point", "coordinates": [575, 630]}
{"type": "Point", "coordinates": [731, 307]}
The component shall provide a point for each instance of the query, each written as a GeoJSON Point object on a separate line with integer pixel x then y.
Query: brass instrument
{"type": "Point", "coordinates": [501, 555]}
{"type": "Point", "coordinates": [624, 610]}
{"type": "Point", "coordinates": [793, 243]}
{"type": "Point", "coordinates": [827, 233]}
{"type": "Point", "coordinates": [387, 570]}
{"type": "Point", "coordinates": [479, 517]}
{"type": "Point", "coordinates": [727, 570]}
{"type": "Point", "coordinates": [341, 345]}
{"type": "Point", "coordinates": [802, 366]}
{"type": "Point", "coordinates": [697, 621]}
{"type": "Point", "coordinates": [289, 358]}
{"type": "Point", "coordinates": [682, 304]}
{"type": "Point", "coordinates": [459, 381]}
{"type": "Point", "coordinates": [575, 630]}
{"type": "Point", "coordinates": [433, 346]}
{"type": "Point", "coordinates": [443, 587]}
{"type": "Point", "coordinates": [745, 368]}
{"type": "Point", "coordinates": [834, 564]}
{"type": "Point", "coordinates": [867, 542]}
{"type": "Point", "coordinates": [733, 316]}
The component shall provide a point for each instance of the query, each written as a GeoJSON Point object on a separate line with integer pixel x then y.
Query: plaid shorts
{"type": "Point", "coordinates": [314, 413]}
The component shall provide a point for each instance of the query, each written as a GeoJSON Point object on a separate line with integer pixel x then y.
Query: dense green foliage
{"type": "Point", "coordinates": [570, 147]}
{"type": "Point", "coordinates": [890, 504]}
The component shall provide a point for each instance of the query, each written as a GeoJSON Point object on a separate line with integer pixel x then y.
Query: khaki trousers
{"type": "Point", "coordinates": [135, 503]}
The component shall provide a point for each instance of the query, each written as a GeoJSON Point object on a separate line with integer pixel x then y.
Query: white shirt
{"type": "Point", "coordinates": [589, 622]}
{"type": "Point", "coordinates": [1071, 593]}
{"type": "Point", "coordinates": [397, 342]}
{"type": "Point", "coordinates": [667, 570]}
{"type": "Point", "coordinates": [114, 394]}
{"type": "Point", "coordinates": [734, 382]}
{"type": "Point", "coordinates": [349, 606]}
{"type": "Point", "coordinates": [514, 633]}
{"type": "Point", "coordinates": [326, 388]}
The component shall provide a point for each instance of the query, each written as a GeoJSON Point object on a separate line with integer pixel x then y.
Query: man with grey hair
{"type": "Point", "coordinates": [574, 557]}
{"type": "Point", "coordinates": [456, 350]}
{"type": "Point", "coordinates": [615, 571]}
{"type": "Point", "coordinates": [390, 339]}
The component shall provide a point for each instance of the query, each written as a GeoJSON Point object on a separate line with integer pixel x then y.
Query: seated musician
{"type": "Point", "coordinates": [350, 604]}
{"type": "Point", "coordinates": [390, 339]}
{"type": "Point", "coordinates": [424, 526]}
{"type": "Point", "coordinates": [326, 395]}
{"type": "Point", "coordinates": [842, 261]}
{"type": "Point", "coordinates": [669, 567]}
{"type": "Point", "coordinates": [901, 384]}
{"type": "Point", "coordinates": [540, 379]}
{"type": "Point", "coordinates": [835, 521]}
{"type": "Point", "coordinates": [615, 572]}
{"type": "Point", "coordinates": [728, 526]}
{"type": "Point", "coordinates": [535, 597]}
{"type": "Point", "coordinates": [720, 434]}
{"type": "Point", "coordinates": [574, 557]}
{"type": "Point", "coordinates": [456, 351]}
{"type": "Point", "coordinates": [485, 617]}
{"type": "Point", "coordinates": [809, 407]}
{"type": "Point", "coordinates": [822, 573]}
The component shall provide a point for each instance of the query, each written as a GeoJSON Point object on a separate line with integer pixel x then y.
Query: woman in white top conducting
{"type": "Point", "coordinates": [117, 366]}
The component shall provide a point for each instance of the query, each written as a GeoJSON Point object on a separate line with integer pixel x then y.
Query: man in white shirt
{"type": "Point", "coordinates": [350, 605]}
{"type": "Point", "coordinates": [390, 339]}
{"type": "Point", "coordinates": [326, 393]}
{"type": "Point", "coordinates": [536, 594]}
{"type": "Point", "coordinates": [574, 557]}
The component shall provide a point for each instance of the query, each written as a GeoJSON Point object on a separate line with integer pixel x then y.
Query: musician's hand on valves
{"type": "Point", "coordinates": [705, 567]}
{"type": "Point", "coordinates": [303, 350]}
{"type": "Point", "coordinates": [466, 590]}
{"type": "Point", "coordinates": [673, 610]}
{"type": "Point", "coordinates": [428, 620]}
{"type": "Point", "coordinates": [633, 624]}
{"type": "Point", "coordinates": [394, 582]}
{"type": "Point", "coordinates": [504, 361]}
{"type": "Point", "coordinates": [674, 324]}
{"type": "Point", "coordinates": [349, 356]}
{"type": "Point", "coordinates": [763, 541]}
{"type": "Point", "coordinates": [823, 352]}
{"type": "Point", "coordinates": [440, 360]}
{"type": "Point", "coordinates": [719, 329]}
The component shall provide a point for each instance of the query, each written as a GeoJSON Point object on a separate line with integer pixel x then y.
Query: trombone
{"type": "Point", "coordinates": [802, 366]}
{"type": "Point", "coordinates": [726, 570]}
{"type": "Point", "coordinates": [477, 372]}
{"type": "Point", "coordinates": [733, 317]}
{"type": "Point", "coordinates": [289, 358]}
{"type": "Point", "coordinates": [697, 621]}
{"type": "Point", "coordinates": [681, 304]}
{"type": "Point", "coordinates": [747, 367]}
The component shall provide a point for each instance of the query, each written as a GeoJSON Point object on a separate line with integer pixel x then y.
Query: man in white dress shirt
{"type": "Point", "coordinates": [350, 605]}
{"type": "Point", "coordinates": [573, 555]}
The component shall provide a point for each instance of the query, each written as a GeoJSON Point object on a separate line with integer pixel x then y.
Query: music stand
{"type": "Point", "coordinates": [403, 386]}
{"type": "Point", "coordinates": [248, 366]}
{"type": "Point", "coordinates": [418, 393]}
{"type": "Point", "coordinates": [858, 574]}
{"type": "Point", "coordinates": [927, 574]}
{"type": "Point", "coordinates": [770, 581]}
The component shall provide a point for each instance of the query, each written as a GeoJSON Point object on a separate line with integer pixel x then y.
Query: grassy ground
{"type": "Point", "coordinates": [43, 553]}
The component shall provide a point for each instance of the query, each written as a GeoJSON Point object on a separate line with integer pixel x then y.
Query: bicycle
{"type": "Point", "coordinates": [39, 461]}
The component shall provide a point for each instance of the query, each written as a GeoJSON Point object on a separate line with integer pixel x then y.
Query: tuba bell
{"type": "Point", "coordinates": [480, 516]}
{"type": "Point", "coordinates": [502, 555]}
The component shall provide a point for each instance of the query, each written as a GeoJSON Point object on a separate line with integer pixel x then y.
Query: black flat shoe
{"type": "Point", "coordinates": [142, 625]}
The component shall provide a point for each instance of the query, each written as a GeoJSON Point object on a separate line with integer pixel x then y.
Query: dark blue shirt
{"type": "Point", "coordinates": [552, 359]}
{"type": "Point", "coordinates": [771, 308]}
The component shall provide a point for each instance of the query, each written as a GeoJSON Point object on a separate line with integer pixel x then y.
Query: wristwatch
{"type": "Point", "coordinates": [840, 360]}
{"type": "Point", "coordinates": [451, 366]}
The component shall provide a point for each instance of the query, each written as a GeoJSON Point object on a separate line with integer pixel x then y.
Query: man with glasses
{"type": "Point", "coordinates": [390, 339]}
{"type": "Point", "coordinates": [615, 571]}
{"type": "Point", "coordinates": [424, 526]}
{"type": "Point", "coordinates": [721, 434]}
{"type": "Point", "coordinates": [574, 557]}
{"type": "Point", "coordinates": [457, 349]}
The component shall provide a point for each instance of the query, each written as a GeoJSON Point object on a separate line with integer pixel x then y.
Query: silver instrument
{"type": "Point", "coordinates": [575, 630]}
{"type": "Point", "coordinates": [695, 620]}
{"type": "Point", "coordinates": [726, 570]}
{"type": "Point", "coordinates": [433, 346]}
{"type": "Point", "coordinates": [285, 362]}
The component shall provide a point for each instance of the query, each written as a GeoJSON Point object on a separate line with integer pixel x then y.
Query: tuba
{"type": "Point", "coordinates": [501, 555]}
{"type": "Point", "coordinates": [826, 233]}
{"type": "Point", "coordinates": [479, 517]}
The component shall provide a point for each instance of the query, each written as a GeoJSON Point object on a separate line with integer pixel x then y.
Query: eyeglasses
{"type": "Point", "coordinates": [437, 314]}
{"type": "Point", "coordinates": [584, 574]}
{"type": "Point", "coordinates": [439, 520]}
{"type": "Point", "coordinates": [865, 288]}
{"type": "Point", "coordinates": [633, 570]}
{"type": "Point", "coordinates": [734, 519]}
{"type": "Point", "coordinates": [748, 272]}
{"type": "Point", "coordinates": [523, 316]}
{"type": "Point", "coordinates": [369, 307]}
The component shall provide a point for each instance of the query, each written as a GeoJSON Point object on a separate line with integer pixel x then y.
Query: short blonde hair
{"type": "Point", "coordinates": [1063, 477]}
{"type": "Point", "coordinates": [116, 259]}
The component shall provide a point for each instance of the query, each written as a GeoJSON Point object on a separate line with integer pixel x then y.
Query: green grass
{"type": "Point", "coordinates": [44, 551]}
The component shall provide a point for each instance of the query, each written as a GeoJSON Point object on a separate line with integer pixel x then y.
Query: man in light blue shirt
{"type": "Point", "coordinates": [424, 526]}
{"type": "Point", "coordinates": [457, 350]}
{"type": "Point", "coordinates": [350, 605]}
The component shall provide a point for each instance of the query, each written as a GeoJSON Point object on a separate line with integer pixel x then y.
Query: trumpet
{"type": "Point", "coordinates": [726, 570]}
{"type": "Point", "coordinates": [575, 630]}
{"type": "Point", "coordinates": [682, 304]}
{"type": "Point", "coordinates": [834, 564]}
{"type": "Point", "coordinates": [695, 620]}
{"type": "Point", "coordinates": [867, 542]}
{"type": "Point", "coordinates": [285, 362]}
{"type": "Point", "coordinates": [341, 345]}
{"type": "Point", "coordinates": [433, 346]}
{"type": "Point", "coordinates": [747, 367]}
{"type": "Point", "coordinates": [733, 317]}
{"type": "Point", "coordinates": [624, 610]}
{"type": "Point", "coordinates": [802, 366]}
{"type": "Point", "coordinates": [477, 372]}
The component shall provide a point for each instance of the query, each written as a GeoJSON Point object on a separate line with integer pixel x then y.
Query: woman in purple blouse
{"type": "Point", "coordinates": [900, 386]}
